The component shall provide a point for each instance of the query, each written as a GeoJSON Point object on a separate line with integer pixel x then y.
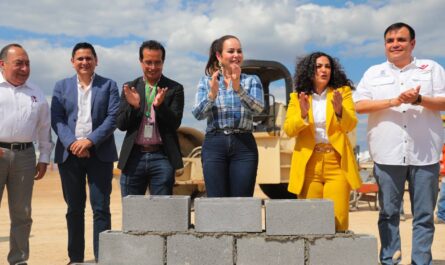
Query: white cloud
{"type": "Point", "coordinates": [76, 18]}
{"type": "Point", "coordinates": [275, 30]}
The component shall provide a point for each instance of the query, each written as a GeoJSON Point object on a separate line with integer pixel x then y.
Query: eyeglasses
{"type": "Point", "coordinates": [153, 63]}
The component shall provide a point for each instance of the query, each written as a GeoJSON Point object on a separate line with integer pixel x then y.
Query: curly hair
{"type": "Point", "coordinates": [305, 70]}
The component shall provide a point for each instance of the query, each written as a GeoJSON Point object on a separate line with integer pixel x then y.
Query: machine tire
{"type": "Point", "coordinates": [277, 191]}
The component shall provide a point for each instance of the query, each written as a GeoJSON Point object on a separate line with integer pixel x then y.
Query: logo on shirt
{"type": "Point", "coordinates": [423, 66]}
{"type": "Point", "coordinates": [33, 99]}
{"type": "Point", "coordinates": [382, 73]}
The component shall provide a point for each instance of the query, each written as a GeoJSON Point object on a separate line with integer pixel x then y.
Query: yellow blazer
{"type": "Point", "coordinates": [336, 130]}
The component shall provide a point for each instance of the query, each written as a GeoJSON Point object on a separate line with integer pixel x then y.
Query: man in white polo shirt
{"type": "Point", "coordinates": [25, 118]}
{"type": "Point", "coordinates": [403, 98]}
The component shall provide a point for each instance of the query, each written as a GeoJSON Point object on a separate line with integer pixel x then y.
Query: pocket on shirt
{"type": "Point", "coordinates": [423, 79]}
{"type": "Point", "coordinates": [383, 87]}
{"type": "Point", "coordinates": [32, 113]}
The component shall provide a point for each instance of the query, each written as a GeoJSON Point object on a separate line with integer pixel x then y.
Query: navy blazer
{"type": "Point", "coordinates": [168, 118]}
{"type": "Point", "coordinates": [104, 108]}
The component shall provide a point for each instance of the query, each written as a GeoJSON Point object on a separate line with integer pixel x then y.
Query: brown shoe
{"type": "Point", "coordinates": [437, 220]}
{"type": "Point", "coordinates": [402, 217]}
{"type": "Point", "coordinates": [397, 255]}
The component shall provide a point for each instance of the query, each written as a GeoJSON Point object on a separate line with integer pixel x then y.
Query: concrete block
{"type": "Point", "coordinates": [118, 248]}
{"type": "Point", "coordinates": [344, 250]}
{"type": "Point", "coordinates": [228, 215]}
{"type": "Point", "coordinates": [156, 213]}
{"type": "Point", "coordinates": [300, 217]}
{"type": "Point", "coordinates": [263, 251]}
{"type": "Point", "coordinates": [199, 250]}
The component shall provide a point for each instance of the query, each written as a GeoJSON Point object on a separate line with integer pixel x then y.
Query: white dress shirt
{"type": "Point", "coordinates": [319, 112]}
{"type": "Point", "coordinates": [25, 117]}
{"type": "Point", "coordinates": [408, 134]}
{"type": "Point", "coordinates": [84, 124]}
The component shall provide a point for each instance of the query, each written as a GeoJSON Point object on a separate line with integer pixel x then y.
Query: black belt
{"type": "Point", "coordinates": [149, 148]}
{"type": "Point", "coordinates": [230, 131]}
{"type": "Point", "coordinates": [16, 146]}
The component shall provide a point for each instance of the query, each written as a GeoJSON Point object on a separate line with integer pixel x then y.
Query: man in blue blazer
{"type": "Point", "coordinates": [83, 115]}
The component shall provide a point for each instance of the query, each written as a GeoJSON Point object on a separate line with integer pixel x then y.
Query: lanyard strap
{"type": "Point", "coordinates": [150, 92]}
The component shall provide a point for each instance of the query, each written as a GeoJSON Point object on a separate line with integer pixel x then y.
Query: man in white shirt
{"type": "Point", "coordinates": [403, 98]}
{"type": "Point", "coordinates": [25, 118]}
{"type": "Point", "coordinates": [83, 115]}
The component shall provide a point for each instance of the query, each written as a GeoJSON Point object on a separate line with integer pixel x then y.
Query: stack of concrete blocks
{"type": "Point", "coordinates": [228, 231]}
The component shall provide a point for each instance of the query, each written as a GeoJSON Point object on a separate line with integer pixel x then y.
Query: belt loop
{"type": "Point", "coordinates": [16, 146]}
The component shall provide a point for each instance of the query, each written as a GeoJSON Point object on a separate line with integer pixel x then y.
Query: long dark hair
{"type": "Point", "coordinates": [305, 72]}
{"type": "Point", "coordinates": [216, 46]}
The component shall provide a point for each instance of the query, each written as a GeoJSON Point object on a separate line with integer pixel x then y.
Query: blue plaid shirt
{"type": "Point", "coordinates": [230, 110]}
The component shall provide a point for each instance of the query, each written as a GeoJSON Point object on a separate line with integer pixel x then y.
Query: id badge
{"type": "Point", "coordinates": [148, 130]}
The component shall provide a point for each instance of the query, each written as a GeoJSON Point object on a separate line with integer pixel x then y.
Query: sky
{"type": "Point", "coordinates": [280, 30]}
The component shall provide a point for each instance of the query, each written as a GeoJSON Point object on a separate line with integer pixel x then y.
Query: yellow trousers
{"type": "Point", "coordinates": [324, 180]}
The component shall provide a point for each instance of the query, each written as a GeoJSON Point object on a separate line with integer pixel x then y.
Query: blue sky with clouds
{"type": "Point", "coordinates": [271, 30]}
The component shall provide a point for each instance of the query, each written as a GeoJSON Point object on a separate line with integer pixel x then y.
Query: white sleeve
{"type": "Point", "coordinates": [43, 132]}
{"type": "Point", "coordinates": [363, 91]}
{"type": "Point", "coordinates": [438, 80]}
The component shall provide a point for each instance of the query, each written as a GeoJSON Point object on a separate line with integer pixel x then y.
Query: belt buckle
{"type": "Point", "coordinates": [323, 149]}
{"type": "Point", "coordinates": [13, 145]}
{"type": "Point", "coordinates": [232, 131]}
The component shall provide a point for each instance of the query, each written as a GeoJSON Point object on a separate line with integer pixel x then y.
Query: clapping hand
{"type": "Point", "coordinates": [160, 96]}
{"type": "Point", "coordinates": [235, 76]}
{"type": "Point", "coordinates": [304, 104]}
{"type": "Point", "coordinates": [409, 96]}
{"type": "Point", "coordinates": [132, 96]}
{"type": "Point", "coordinates": [214, 85]}
{"type": "Point", "coordinates": [337, 101]}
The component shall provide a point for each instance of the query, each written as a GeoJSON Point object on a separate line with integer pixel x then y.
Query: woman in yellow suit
{"type": "Point", "coordinates": [319, 115]}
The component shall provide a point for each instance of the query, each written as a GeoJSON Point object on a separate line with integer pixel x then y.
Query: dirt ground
{"type": "Point", "coordinates": [49, 235]}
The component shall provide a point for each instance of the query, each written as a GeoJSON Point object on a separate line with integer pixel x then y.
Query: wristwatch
{"type": "Point", "coordinates": [418, 100]}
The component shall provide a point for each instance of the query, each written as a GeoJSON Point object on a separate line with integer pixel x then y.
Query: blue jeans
{"type": "Point", "coordinates": [441, 203]}
{"type": "Point", "coordinates": [73, 174]}
{"type": "Point", "coordinates": [230, 164]}
{"type": "Point", "coordinates": [423, 189]}
{"type": "Point", "coordinates": [147, 169]}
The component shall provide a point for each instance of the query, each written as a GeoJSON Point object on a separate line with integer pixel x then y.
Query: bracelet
{"type": "Point", "coordinates": [210, 98]}
{"type": "Point", "coordinates": [418, 100]}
